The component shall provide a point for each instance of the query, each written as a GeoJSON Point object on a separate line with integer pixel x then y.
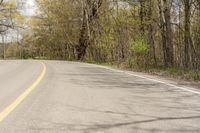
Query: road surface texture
{"type": "Point", "coordinates": [81, 98]}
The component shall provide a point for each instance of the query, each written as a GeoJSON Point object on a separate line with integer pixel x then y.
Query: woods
{"type": "Point", "coordinates": [134, 33]}
{"type": "Point", "coordinates": [11, 22]}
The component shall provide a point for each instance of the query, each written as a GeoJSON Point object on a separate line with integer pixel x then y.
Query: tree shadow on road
{"type": "Point", "coordinates": [132, 126]}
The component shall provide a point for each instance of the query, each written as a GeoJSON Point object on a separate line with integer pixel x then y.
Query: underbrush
{"type": "Point", "coordinates": [175, 72]}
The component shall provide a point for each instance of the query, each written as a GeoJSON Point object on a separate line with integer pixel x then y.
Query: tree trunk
{"type": "Point", "coordinates": [188, 44]}
{"type": "Point", "coordinates": [84, 38]}
{"type": "Point", "coordinates": [168, 54]}
{"type": "Point", "coordinates": [150, 33]}
{"type": "Point", "coordinates": [90, 14]}
{"type": "Point", "coordinates": [165, 20]}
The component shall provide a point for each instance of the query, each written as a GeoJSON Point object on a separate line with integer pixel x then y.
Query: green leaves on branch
{"type": "Point", "coordinates": [140, 47]}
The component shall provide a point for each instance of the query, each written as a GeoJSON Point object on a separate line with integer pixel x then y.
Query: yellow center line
{"type": "Point", "coordinates": [23, 96]}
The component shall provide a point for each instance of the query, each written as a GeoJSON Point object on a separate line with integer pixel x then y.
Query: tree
{"type": "Point", "coordinates": [129, 32]}
{"type": "Point", "coordinates": [165, 22]}
{"type": "Point", "coordinates": [90, 14]}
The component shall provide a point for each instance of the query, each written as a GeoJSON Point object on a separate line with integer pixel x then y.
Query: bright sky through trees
{"type": "Point", "coordinates": [30, 8]}
{"type": "Point", "coordinates": [27, 9]}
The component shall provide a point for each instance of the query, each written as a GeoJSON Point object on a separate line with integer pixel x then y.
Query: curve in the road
{"type": "Point", "coordinates": [24, 95]}
{"type": "Point", "coordinates": [184, 88]}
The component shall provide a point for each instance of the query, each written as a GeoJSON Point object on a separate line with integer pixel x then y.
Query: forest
{"type": "Point", "coordinates": [136, 34]}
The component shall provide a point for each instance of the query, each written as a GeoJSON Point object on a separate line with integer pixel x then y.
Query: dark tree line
{"type": "Point", "coordinates": [136, 33]}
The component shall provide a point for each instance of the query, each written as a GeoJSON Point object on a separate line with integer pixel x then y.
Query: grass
{"type": "Point", "coordinates": [175, 72]}
{"type": "Point", "coordinates": [183, 74]}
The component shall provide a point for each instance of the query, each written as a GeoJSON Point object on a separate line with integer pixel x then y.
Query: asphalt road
{"type": "Point", "coordinates": [80, 98]}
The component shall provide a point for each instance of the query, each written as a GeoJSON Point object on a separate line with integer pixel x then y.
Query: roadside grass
{"type": "Point", "coordinates": [178, 73]}
{"type": "Point", "coordinates": [182, 73]}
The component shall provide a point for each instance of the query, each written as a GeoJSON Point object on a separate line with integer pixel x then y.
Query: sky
{"type": "Point", "coordinates": [29, 9]}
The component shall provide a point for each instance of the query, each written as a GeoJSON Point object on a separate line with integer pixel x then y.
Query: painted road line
{"type": "Point", "coordinates": [184, 88]}
{"type": "Point", "coordinates": [23, 96]}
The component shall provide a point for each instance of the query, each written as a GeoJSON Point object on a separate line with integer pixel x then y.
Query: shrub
{"type": "Point", "coordinates": [140, 50]}
{"type": "Point", "coordinates": [140, 47]}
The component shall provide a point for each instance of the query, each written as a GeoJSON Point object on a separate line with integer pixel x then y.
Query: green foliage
{"type": "Point", "coordinates": [175, 71]}
{"type": "Point", "coordinates": [140, 50]}
{"type": "Point", "coordinates": [140, 47]}
{"type": "Point", "coordinates": [128, 36]}
{"type": "Point", "coordinates": [182, 73]}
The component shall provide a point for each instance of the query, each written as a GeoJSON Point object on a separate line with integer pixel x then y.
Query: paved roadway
{"type": "Point", "coordinates": [69, 97]}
